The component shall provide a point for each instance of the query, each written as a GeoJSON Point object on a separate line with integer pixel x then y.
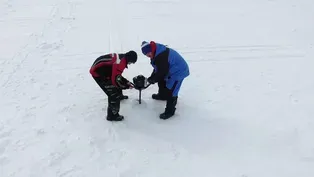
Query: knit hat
{"type": "Point", "coordinates": [146, 48]}
{"type": "Point", "coordinates": [131, 56]}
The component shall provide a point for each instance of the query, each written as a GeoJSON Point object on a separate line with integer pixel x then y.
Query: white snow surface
{"type": "Point", "coordinates": [246, 110]}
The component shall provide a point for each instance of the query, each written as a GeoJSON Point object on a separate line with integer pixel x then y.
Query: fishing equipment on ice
{"type": "Point", "coordinates": [140, 83]}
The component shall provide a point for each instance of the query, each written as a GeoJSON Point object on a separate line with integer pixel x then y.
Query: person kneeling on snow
{"type": "Point", "coordinates": [170, 69]}
{"type": "Point", "coordinates": [107, 72]}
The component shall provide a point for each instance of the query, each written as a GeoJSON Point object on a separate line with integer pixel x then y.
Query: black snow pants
{"type": "Point", "coordinates": [113, 94]}
{"type": "Point", "coordinates": [166, 94]}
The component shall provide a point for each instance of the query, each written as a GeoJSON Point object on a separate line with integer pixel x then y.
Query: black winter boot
{"type": "Point", "coordinates": [123, 97]}
{"type": "Point", "coordinates": [162, 91]}
{"type": "Point", "coordinates": [113, 111]}
{"type": "Point", "coordinates": [116, 117]}
{"type": "Point", "coordinates": [159, 97]}
{"type": "Point", "coordinates": [170, 108]}
{"type": "Point", "coordinates": [167, 114]}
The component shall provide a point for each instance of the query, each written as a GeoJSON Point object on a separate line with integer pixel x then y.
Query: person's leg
{"type": "Point", "coordinates": [121, 96]}
{"type": "Point", "coordinates": [113, 99]}
{"type": "Point", "coordinates": [172, 98]}
{"type": "Point", "coordinates": [162, 91]}
{"type": "Point", "coordinates": [113, 104]}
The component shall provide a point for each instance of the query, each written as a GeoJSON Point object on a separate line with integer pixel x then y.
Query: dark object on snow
{"type": "Point", "coordinates": [140, 84]}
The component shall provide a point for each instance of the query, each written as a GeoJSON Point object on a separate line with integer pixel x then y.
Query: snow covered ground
{"type": "Point", "coordinates": [245, 111]}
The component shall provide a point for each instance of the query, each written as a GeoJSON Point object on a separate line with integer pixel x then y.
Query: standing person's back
{"type": "Point", "coordinates": [179, 68]}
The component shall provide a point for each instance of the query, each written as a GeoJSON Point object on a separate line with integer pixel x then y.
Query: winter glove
{"type": "Point", "coordinates": [130, 85]}
{"type": "Point", "coordinates": [150, 80]}
{"type": "Point", "coordinates": [123, 83]}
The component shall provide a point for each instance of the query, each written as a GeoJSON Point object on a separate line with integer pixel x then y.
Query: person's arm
{"type": "Point", "coordinates": [122, 82]}
{"type": "Point", "coordinates": [117, 78]}
{"type": "Point", "coordinates": [162, 66]}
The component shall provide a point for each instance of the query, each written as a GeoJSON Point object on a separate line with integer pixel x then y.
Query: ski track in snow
{"type": "Point", "coordinates": [53, 114]}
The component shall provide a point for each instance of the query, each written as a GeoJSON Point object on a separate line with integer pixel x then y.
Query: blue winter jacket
{"type": "Point", "coordinates": [168, 65]}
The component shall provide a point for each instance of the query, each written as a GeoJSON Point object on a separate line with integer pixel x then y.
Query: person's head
{"type": "Point", "coordinates": [147, 49]}
{"type": "Point", "coordinates": [131, 57]}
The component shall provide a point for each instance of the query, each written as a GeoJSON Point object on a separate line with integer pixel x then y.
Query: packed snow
{"type": "Point", "coordinates": [246, 110]}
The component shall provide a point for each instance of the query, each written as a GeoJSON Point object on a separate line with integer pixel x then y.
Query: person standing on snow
{"type": "Point", "coordinates": [170, 69]}
{"type": "Point", "coordinates": [107, 72]}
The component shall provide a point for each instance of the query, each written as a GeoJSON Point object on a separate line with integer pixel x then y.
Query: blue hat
{"type": "Point", "coordinates": [146, 48]}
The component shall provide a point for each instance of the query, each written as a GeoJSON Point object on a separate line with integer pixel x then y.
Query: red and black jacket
{"type": "Point", "coordinates": [109, 67]}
